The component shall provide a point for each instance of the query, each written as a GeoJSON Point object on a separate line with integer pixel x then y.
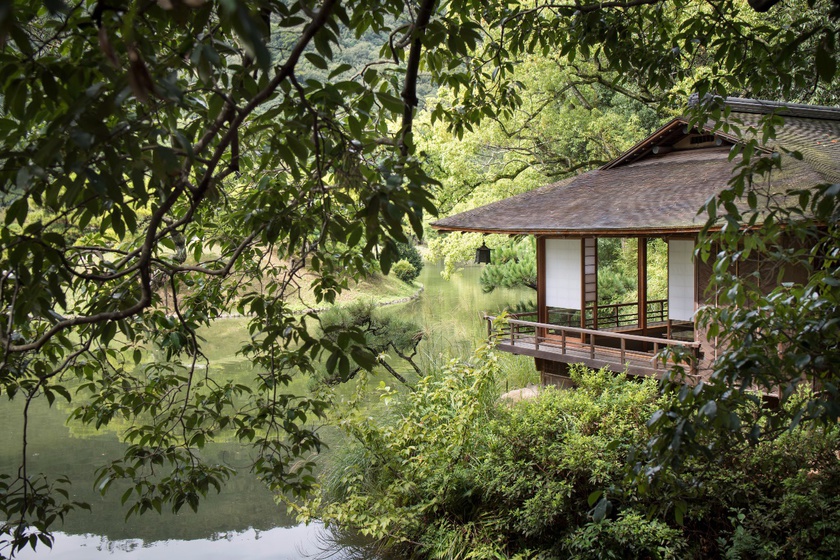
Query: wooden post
{"type": "Point", "coordinates": [695, 359]}
{"type": "Point", "coordinates": [655, 359]}
{"type": "Point", "coordinates": [542, 308]}
{"type": "Point", "coordinates": [642, 283]}
{"type": "Point", "coordinates": [589, 281]}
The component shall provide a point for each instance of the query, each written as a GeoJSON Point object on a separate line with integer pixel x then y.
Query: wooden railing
{"type": "Point", "coordinates": [610, 316]}
{"type": "Point", "coordinates": [617, 315]}
{"type": "Point", "coordinates": [575, 341]}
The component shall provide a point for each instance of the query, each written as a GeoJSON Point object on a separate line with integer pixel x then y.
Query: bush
{"type": "Point", "coordinates": [628, 535]}
{"type": "Point", "coordinates": [456, 474]}
{"type": "Point", "coordinates": [405, 271]}
{"type": "Point", "coordinates": [543, 458]}
{"type": "Point", "coordinates": [410, 253]}
{"type": "Point", "coordinates": [781, 498]}
{"type": "Point", "coordinates": [451, 473]}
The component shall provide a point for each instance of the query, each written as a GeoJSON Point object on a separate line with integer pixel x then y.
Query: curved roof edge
{"type": "Point", "coordinates": [576, 233]}
{"type": "Point", "coordinates": [764, 107]}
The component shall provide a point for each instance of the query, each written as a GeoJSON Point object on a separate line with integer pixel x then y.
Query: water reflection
{"type": "Point", "coordinates": [243, 521]}
{"type": "Point", "coordinates": [290, 543]}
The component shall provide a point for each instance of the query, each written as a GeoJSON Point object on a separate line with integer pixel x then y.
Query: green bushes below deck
{"type": "Point", "coordinates": [450, 472]}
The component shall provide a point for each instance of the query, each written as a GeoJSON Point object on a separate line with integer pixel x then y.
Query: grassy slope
{"type": "Point", "coordinates": [378, 288]}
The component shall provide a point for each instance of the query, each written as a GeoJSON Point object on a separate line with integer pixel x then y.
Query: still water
{"type": "Point", "coordinates": [243, 521]}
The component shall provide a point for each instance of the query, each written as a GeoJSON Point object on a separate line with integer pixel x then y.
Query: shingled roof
{"type": "Point", "coordinates": [642, 193]}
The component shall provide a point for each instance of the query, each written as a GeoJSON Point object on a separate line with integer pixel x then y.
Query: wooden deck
{"type": "Point", "coordinates": [635, 354]}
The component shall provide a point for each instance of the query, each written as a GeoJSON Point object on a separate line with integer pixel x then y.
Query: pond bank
{"type": "Point", "coordinates": [415, 296]}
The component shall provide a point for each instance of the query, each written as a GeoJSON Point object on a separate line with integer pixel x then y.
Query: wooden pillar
{"type": "Point", "coordinates": [542, 310]}
{"type": "Point", "coordinates": [583, 323]}
{"type": "Point", "coordinates": [589, 280]}
{"type": "Point", "coordinates": [642, 283]}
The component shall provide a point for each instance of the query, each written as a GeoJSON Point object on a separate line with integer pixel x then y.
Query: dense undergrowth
{"type": "Point", "coordinates": [450, 472]}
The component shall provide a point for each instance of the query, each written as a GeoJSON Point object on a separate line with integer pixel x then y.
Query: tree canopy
{"type": "Point", "coordinates": [160, 166]}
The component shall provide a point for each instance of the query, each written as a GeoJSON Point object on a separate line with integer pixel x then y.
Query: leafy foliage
{"type": "Point", "coordinates": [404, 270]}
{"type": "Point", "coordinates": [417, 451]}
{"type": "Point", "coordinates": [513, 264]}
{"type": "Point", "coordinates": [618, 270]}
{"type": "Point", "coordinates": [562, 126]}
{"type": "Point", "coordinates": [160, 167]}
{"type": "Point", "coordinates": [378, 334]}
{"type": "Point", "coordinates": [776, 341]}
{"type": "Point", "coordinates": [409, 253]}
{"type": "Point", "coordinates": [449, 473]}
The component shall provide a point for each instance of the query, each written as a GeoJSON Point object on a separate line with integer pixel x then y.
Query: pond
{"type": "Point", "coordinates": [243, 521]}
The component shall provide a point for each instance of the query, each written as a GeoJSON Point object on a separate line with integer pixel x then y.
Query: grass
{"type": "Point", "coordinates": [377, 288]}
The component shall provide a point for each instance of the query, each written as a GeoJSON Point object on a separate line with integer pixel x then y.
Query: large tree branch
{"type": "Point", "coordinates": [409, 92]}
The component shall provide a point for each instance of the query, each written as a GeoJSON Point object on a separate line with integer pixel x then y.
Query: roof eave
{"type": "Point", "coordinates": [594, 232]}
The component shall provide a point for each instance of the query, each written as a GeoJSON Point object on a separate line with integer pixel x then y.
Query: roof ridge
{"type": "Point", "coordinates": [784, 109]}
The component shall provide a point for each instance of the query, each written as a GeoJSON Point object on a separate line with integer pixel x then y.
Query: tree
{"type": "Point", "coordinates": [565, 123]}
{"type": "Point", "coordinates": [514, 264]}
{"type": "Point", "coordinates": [384, 334]}
{"type": "Point", "coordinates": [159, 168]}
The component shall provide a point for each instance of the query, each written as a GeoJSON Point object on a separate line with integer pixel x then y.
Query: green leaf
{"type": "Point", "coordinates": [709, 409]}
{"type": "Point", "coordinates": [601, 510]}
{"type": "Point", "coordinates": [18, 210]}
{"type": "Point", "coordinates": [316, 60]}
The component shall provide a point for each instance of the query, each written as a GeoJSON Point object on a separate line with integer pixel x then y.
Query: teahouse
{"type": "Point", "coordinates": [652, 191]}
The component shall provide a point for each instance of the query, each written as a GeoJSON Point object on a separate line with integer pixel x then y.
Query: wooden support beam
{"type": "Point", "coordinates": [542, 309]}
{"type": "Point", "coordinates": [642, 283]}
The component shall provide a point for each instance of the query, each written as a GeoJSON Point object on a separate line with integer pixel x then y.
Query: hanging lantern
{"type": "Point", "coordinates": [482, 254]}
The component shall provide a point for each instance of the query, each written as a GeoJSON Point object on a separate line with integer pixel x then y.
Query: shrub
{"type": "Point", "coordinates": [410, 253]}
{"type": "Point", "coordinates": [458, 475]}
{"type": "Point", "coordinates": [450, 473]}
{"type": "Point", "coordinates": [628, 535]}
{"type": "Point", "coordinates": [544, 457]}
{"type": "Point", "coordinates": [405, 271]}
{"type": "Point", "coordinates": [780, 498]}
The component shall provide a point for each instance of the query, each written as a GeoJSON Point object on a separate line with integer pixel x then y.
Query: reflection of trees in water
{"type": "Point", "coordinates": [335, 543]}
{"type": "Point", "coordinates": [127, 545]}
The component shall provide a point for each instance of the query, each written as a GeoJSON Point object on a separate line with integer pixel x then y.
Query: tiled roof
{"type": "Point", "coordinates": [642, 193]}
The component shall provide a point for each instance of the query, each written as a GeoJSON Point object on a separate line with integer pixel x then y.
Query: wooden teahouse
{"type": "Point", "coordinates": [652, 191]}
